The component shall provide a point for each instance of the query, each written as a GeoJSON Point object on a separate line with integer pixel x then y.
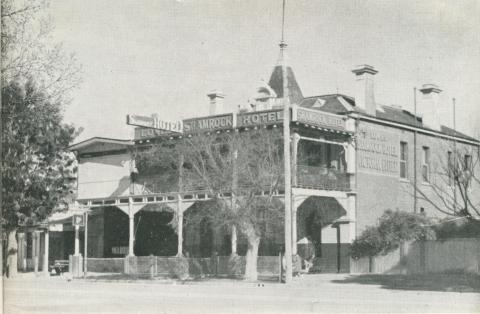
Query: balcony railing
{"type": "Point", "coordinates": [322, 178]}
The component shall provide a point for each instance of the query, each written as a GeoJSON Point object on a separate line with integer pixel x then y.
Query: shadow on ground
{"type": "Point", "coordinates": [427, 282]}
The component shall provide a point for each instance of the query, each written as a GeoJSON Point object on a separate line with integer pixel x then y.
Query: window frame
{"type": "Point", "coordinates": [426, 164]}
{"type": "Point", "coordinates": [403, 160]}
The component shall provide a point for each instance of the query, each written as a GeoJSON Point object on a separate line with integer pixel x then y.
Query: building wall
{"type": "Point", "coordinates": [382, 189]}
{"type": "Point", "coordinates": [104, 176]}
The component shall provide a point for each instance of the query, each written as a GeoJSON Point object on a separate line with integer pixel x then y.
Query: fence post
{"type": "Point", "coordinates": [280, 268]}
{"type": "Point", "coordinates": [423, 267]}
{"type": "Point", "coordinates": [152, 270]}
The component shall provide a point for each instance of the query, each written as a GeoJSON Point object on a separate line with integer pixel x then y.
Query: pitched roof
{"type": "Point", "coordinates": [99, 140]}
{"type": "Point", "coordinates": [342, 104]}
{"type": "Point", "coordinates": [332, 103]}
{"type": "Point", "coordinates": [276, 83]}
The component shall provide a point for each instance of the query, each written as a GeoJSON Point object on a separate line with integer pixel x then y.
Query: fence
{"type": "Point", "coordinates": [105, 265]}
{"type": "Point", "coordinates": [219, 266]}
{"type": "Point", "coordinates": [453, 255]}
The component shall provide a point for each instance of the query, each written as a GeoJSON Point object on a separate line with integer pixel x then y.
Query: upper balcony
{"type": "Point", "coordinates": [321, 178]}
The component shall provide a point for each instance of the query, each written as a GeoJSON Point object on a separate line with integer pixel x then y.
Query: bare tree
{"type": "Point", "coordinates": [454, 182]}
{"type": "Point", "coordinates": [28, 50]}
{"type": "Point", "coordinates": [242, 171]}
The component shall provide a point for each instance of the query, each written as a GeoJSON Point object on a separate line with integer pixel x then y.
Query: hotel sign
{"type": "Point", "coordinates": [211, 123]}
{"type": "Point", "coordinates": [260, 118]}
{"type": "Point", "coordinates": [154, 122]}
{"type": "Point", "coordinates": [378, 151]}
{"type": "Point", "coordinates": [146, 133]}
{"type": "Point", "coordinates": [319, 118]}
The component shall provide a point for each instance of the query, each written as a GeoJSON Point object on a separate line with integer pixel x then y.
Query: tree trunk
{"type": "Point", "coordinates": [12, 248]}
{"type": "Point", "coordinates": [251, 258]}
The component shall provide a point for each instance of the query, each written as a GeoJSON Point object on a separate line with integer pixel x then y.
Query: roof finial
{"type": "Point", "coordinates": [282, 42]}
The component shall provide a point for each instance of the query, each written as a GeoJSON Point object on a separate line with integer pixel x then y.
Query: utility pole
{"type": "Point", "coordinates": [415, 151]}
{"type": "Point", "coordinates": [85, 241]}
{"type": "Point", "coordinates": [454, 160]}
{"type": "Point", "coordinates": [286, 156]}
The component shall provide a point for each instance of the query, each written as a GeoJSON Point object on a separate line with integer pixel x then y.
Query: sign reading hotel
{"type": "Point", "coordinates": [319, 119]}
{"type": "Point", "coordinates": [378, 151]}
{"type": "Point", "coordinates": [154, 122]}
{"type": "Point", "coordinates": [260, 118]}
{"type": "Point", "coordinates": [211, 123]}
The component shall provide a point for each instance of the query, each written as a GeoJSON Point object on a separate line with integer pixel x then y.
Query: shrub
{"type": "Point", "coordinates": [180, 268]}
{"type": "Point", "coordinates": [394, 227]}
{"type": "Point", "coordinates": [458, 229]}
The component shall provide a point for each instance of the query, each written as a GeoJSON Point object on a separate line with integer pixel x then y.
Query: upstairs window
{"type": "Point", "coordinates": [468, 163]}
{"type": "Point", "coordinates": [467, 168]}
{"type": "Point", "coordinates": [450, 169]}
{"type": "Point", "coordinates": [403, 160]}
{"type": "Point", "coordinates": [426, 164]}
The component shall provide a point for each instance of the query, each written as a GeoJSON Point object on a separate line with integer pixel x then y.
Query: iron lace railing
{"type": "Point", "coordinates": [322, 178]}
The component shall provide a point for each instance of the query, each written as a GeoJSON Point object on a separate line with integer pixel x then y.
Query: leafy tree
{"type": "Point", "coordinates": [394, 228]}
{"type": "Point", "coordinates": [36, 77]}
{"type": "Point", "coordinates": [242, 171]}
{"type": "Point", "coordinates": [38, 173]}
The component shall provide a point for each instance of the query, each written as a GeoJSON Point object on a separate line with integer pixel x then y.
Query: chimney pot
{"type": "Point", "coordinates": [216, 101]}
{"type": "Point", "coordinates": [364, 89]}
{"type": "Point", "coordinates": [429, 106]}
{"type": "Point", "coordinates": [364, 68]}
{"type": "Point", "coordinates": [429, 88]}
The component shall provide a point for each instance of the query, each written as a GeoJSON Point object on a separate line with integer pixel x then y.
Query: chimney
{"type": "Point", "coordinates": [364, 88]}
{"type": "Point", "coordinates": [429, 106]}
{"type": "Point", "coordinates": [216, 102]}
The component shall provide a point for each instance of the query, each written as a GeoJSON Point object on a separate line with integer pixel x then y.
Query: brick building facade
{"type": "Point", "coordinates": [353, 159]}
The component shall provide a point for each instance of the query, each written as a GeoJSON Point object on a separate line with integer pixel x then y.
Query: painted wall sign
{"type": "Point", "coordinates": [120, 250]}
{"type": "Point", "coordinates": [154, 122]}
{"type": "Point", "coordinates": [208, 123]}
{"type": "Point", "coordinates": [260, 118]}
{"type": "Point", "coordinates": [146, 133]}
{"type": "Point", "coordinates": [378, 151]}
{"type": "Point", "coordinates": [318, 118]}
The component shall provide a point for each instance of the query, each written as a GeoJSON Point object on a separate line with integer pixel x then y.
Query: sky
{"type": "Point", "coordinates": [146, 56]}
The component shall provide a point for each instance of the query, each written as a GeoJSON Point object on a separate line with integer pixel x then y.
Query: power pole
{"type": "Point", "coordinates": [454, 161]}
{"type": "Point", "coordinates": [286, 154]}
{"type": "Point", "coordinates": [415, 151]}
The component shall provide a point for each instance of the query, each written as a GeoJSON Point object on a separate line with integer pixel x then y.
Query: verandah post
{"type": "Point", "coordinates": [45, 253]}
{"type": "Point", "coordinates": [131, 232]}
{"type": "Point", "coordinates": [179, 226]}
{"type": "Point", "coordinates": [179, 208]}
{"type": "Point", "coordinates": [233, 204]}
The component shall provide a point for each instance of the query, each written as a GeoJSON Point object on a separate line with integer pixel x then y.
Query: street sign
{"type": "Point", "coordinates": [78, 220]}
{"type": "Point", "coordinates": [154, 122]}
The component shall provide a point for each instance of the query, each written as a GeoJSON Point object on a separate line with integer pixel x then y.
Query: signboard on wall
{"type": "Point", "coordinates": [78, 220]}
{"type": "Point", "coordinates": [319, 118]}
{"type": "Point", "coordinates": [378, 151]}
{"type": "Point", "coordinates": [154, 122]}
{"type": "Point", "coordinates": [211, 123]}
{"type": "Point", "coordinates": [260, 118]}
{"type": "Point", "coordinates": [146, 133]}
